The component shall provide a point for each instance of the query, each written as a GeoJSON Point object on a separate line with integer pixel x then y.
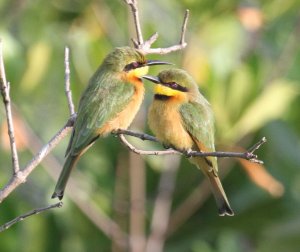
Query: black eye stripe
{"type": "Point", "coordinates": [132, 65]}
{"type": "Point", "coordinates": [175, 86]}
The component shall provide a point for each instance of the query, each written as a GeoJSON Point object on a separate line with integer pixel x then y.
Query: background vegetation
{"type": "Point", "coordinates": [245, 57]}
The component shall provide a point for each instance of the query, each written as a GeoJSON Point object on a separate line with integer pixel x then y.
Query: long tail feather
{"type": "Point", "coordinates": [217, 189]}
{"type": "Point", "coordinates": [64, 176]}
{"type": "Point", "coordinates": [219, 194]}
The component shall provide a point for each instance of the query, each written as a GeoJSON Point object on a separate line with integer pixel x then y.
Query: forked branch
{"type": "Point", "coordinates": [145, 46]}
{"type": "Point", "coordinates": [20, 175]}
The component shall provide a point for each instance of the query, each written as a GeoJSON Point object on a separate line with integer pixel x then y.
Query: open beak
{"type": "Point", "coordinates": [154, 79]}
{"type": "Point", "coordinates": [157, 62]}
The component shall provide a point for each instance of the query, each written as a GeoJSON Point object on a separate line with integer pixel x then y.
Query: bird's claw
{"type": "Point", "coordinates": [187, 153]}
{"type": "Point", "coordinates": [167, 146]}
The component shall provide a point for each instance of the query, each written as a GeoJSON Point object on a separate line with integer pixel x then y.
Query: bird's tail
{"type": "Point", "coordinates": [219, 194]}
{"type": "Point", "coordinates": [64, 176]}
{"type": "Point", "coordinates": [217, 189]}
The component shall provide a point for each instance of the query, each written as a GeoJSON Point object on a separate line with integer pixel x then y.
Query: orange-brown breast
{"type": "Point", "coordinates": [124, 118]}
{"type": "Point", "coordinates": [165, 121]}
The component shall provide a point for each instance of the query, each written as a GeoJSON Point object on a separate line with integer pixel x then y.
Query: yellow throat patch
{"type": "Point", "coordinates": [139, 72]}
{"type": "Point", "coordinates": [163, 90]}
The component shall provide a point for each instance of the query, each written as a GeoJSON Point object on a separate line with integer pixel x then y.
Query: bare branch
{"type": "Point", "coordinates": [256, 146]}
{"type": "Point", "coordinates": [183, 28]}
{"type": "Point", "coordinates": [144, 152]}
{"type": "Point", "coordinates": [21, 176]}
{"type": "Point", "coordinates": [78, 191]}
{"type": "Point", "coordinates": [5, 88]}
{"type": "Point", "coordinates": [136, 20]}
{"type": "Point", "coordinates": [248, 155]}
{"type": "Point", "coordinates": [148, 43]}
{"type": "Point", "coordinates": [67, 82]}
{"type": "Point", "coordinates": [141, 136]}
{"type": "Point", "coordinates": [182, 44]}
{"type": "Point", "coordinates": [145, 46]}
{"type": "Point", "coordinates": [24, 216]}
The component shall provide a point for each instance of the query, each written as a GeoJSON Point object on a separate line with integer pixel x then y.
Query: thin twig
{"type": "Point", "coordinates": [148, 43]}
{"type": "Point", "coordinates": [136, 20]}
{"type": "Point", "coordinates": [256, 146]}
{"type": "Point", "coordinates": [96, 216]}
{"type": "Point", "coordinates": [67, 82]}
{"type": "Point", "coordinates": [141, 136]}
{"type": "Point", "coordinates": [24, 216]}
{"type": "Point", "coordinates": [78, 191]}
{"type": "Point", "coordinates": [182, 44]}
{"type": "Point", "coordinates": [144, 152]}
{"type": "Point", "coordinates": [248, 155]}
{"type": "Point", "coordinates": [183, 28]}
{"type": "Point", "coordinates": [145, 46]}
{"type": "Point", "coordinates": [21, 176]}
{"type": "Point", "coordinates": [5, 88]}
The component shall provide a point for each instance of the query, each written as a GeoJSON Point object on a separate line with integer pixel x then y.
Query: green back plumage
{"type": "Point", "coordinates": [198, 120]}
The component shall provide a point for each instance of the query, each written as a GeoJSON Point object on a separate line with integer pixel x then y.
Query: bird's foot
{"type": "Point", "coordinates": [187, 153]}
{"type": "Point", "coordinates": [167, 146]}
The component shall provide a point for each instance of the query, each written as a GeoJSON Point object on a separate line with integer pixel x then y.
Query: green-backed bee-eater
{"type": "Point", "coordinates": [110, 102]}
{"type": "Point", "coordinates": [181, 117]}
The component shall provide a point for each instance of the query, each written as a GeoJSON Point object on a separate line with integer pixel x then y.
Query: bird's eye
{"type": "Point", "coordinates": [131, 66]}
{"type": "Point", "coordinates": [135, 64]}
{"type": "Point", "coordinates": [174, 85]}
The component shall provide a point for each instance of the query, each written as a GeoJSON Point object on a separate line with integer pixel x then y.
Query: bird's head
{"type": "Point", "coordinates": [175, 83]}
{"type": "Point", "coordinates": [129, 62]}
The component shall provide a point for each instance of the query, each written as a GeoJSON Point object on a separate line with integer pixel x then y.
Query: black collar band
{"type": "Point", "coordinates": [161, 97]}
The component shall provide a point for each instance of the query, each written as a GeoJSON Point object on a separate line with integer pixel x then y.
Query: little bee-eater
{"type": "Point", "coordinates": [110, 102]}
{"type": "Point", "coordinates": [181, 117]}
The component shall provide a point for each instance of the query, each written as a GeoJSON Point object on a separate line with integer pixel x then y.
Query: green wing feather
{"type": "Point", "coordinates": [100, 102]}
{"type": "Point", "coordinates": [198, 120]}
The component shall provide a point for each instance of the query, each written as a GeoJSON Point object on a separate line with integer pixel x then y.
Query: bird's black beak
{"type": "Point", "coordinates": [157, 62]}
{"type": "Point", "coordinates": [154, 79]}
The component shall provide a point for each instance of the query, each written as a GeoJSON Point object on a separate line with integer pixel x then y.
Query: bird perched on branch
{"type": "Point", "coordinates": [182, 118]}
{"type": "Point", "coordinates": [110, 102]}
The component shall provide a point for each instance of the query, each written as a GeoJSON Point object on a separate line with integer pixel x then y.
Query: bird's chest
{"type": "Point", "coordinates": [166, 123]}
{"type": "Point", "coordinates": [124, 118]}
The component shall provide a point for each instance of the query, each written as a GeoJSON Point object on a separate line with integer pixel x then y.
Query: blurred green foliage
{"type": "Point", "coordinates": [245, 57]}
